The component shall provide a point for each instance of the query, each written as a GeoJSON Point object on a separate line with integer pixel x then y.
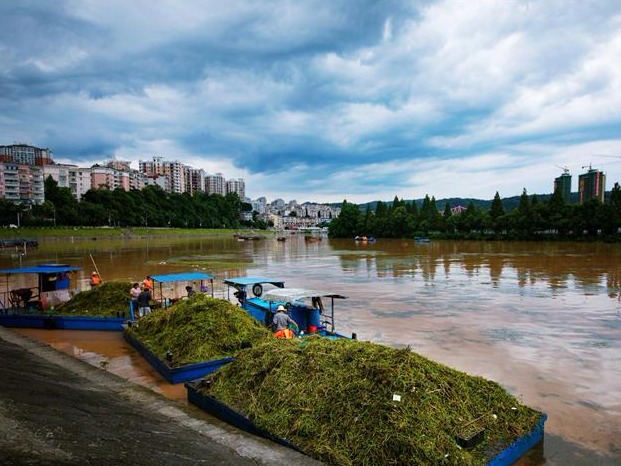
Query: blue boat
{"type": "Point", "coordinates": [421, 239]}
{"type": "Point", "coordinates": [179, 374]}
{"type": "Point", "coordinates": [211, 405]}
{"type": "Point", "coordinates": [33, 306]}
{"type": "Point", "coordinates": [313, 310]}
{"type": "Point", "coordinates": [164, 285]}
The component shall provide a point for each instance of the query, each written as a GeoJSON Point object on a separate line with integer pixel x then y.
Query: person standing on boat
{"type": "Point", "coordinates": [148, 282]}
{"type": "Point", "coordinates": [144, 302]}
{"type": "Point", "coordinates": [95, 280]}
{"type": "Point", "coordinates": [281, 323]}
{"type": "Point", "coordinates": [134, 293]}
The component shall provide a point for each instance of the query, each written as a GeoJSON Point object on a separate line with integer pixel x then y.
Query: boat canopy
{"type": "Point", "coordinates": [247, 281]}
{"type": "Point", "coordinates": [182, 277]}
{"type": "Point", "coordinates": [42, 269]}
{"type": "Point", "coordinates": [291, 295]}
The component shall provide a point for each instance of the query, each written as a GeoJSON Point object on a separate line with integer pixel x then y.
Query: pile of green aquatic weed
{"type": "Point", "coordinates": [200, 328]}
{"type": "Point", "coordinates": [110, 299]}
{"type": "Point", "coordinates": [347, 402]}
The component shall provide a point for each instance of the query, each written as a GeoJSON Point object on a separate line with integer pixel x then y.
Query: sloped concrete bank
{"type": "Point", "coordinates": [55, 409]}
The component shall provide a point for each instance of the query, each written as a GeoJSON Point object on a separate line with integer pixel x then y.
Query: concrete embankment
{"type": "Point", "coordinates": [57, 410]}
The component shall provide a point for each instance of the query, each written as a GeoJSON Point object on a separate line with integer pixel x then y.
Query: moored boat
{"type": "Point", "coordinates": [305, 306]}
{"type": "Point", "coordinates": [36, 306]}
{"type": "Point", "coordinates": [349, 395]}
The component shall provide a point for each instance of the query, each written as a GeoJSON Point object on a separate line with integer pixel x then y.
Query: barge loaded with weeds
{"type": "Point", "coordinates": [51, 303]}
{"type": "Point", "coordinates": [194, 336]}
{"type": "Point", "coordinates": [347, 402]}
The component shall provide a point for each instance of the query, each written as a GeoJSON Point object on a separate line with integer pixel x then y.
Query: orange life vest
{"type": "Point", "coordinates": [285, 333]}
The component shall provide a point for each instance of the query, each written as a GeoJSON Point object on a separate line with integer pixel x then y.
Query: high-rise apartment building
{"type": "Point", "coordinates": [563, 184]}
{"type": "Point", "coordinates": [77, 179]}
{"type": "Point", "coordinates": [25, 154]}
{"type": "Point", "coordinates": [21, 183]}
{"type": "Point", "coordinates": [237, 186]}
{"type": "Point", "coordinates": [592, 185]}
{"type": "Point", "coordinates": [215, 184]}
{"type": "Point", "coordinates": [173, 171]}
{"type": "Point", "coordinates": [195, 180]}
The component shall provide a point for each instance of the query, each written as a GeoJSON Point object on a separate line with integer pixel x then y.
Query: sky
{"type": "Point", "coordinates": [323, 100]}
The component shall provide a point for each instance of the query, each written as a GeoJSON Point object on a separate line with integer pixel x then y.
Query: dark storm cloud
{"type": "Point", "coordinates": [379, 98]}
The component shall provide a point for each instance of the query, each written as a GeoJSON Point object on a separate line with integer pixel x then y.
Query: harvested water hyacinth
{"type": "Point", "coordinates": [198, 329]}
{"type": "Point", "coordinates": [109, 299]}
{"type": "Point", "coordinates": [357, 403]}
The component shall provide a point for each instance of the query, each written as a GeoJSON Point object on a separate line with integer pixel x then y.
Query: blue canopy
{"type": "Point", "coordinates": [247, 281]}
{"type": "Point", "coordinates": [43, 268]}
{"type": "Point", "coordinates": [182, 277]}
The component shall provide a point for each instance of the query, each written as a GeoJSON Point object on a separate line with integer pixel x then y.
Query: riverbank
{"type": "Point", "coordinates": [58, 410]}
{"type": "Point", "coordinates": [106, 232]}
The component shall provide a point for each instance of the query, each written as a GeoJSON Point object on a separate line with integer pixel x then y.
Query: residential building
{"type": "Point", "coordinates": [259, 205]}
{"type": "Point", "coordinates": [22, 183]}
{"type": "Point", "coordinates": [195, 180]}
{"type": "Point", "coordinates": [25, 154]}
{"type": "Point", "coordinates": [563, 184]}
{"type": "Point", "coordinates": [109, 178]}
{"type": "Point", "coordinates": [592, 185]}
{"type": "Point", "coordinates": [236, 186]}
{"type": "Point", "coordinates": [77, 179]}
{"type": "Point", "coordinates": [215, 184]}
{"type": "Point", "coordinates": [174, 171]}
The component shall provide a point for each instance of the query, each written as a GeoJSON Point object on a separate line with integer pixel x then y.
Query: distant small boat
{"type": "Point", "coordinates": [365, 239]}
{"type": "Point", "coordinates": [421, 239]}
{"type": "Point", "coordinates": [15, 242]}
{"type": "Point", "coordinates": [281, 238]}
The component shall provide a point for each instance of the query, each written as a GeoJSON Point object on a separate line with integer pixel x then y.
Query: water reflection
{"type": "Point", "coordinates": [542, 319]}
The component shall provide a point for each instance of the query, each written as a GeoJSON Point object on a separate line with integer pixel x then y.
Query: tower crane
{"type": "Point", "coordinates": [564, 168]}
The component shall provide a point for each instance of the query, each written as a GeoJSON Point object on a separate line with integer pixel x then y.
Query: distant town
{"type": "Point", "coordinates": [24, 169]}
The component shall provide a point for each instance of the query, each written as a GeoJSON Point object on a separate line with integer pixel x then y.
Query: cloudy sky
{"type": "Point", "coordinates": [323, 100]}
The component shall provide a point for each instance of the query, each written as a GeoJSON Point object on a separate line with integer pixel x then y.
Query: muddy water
{"type": "Point", "coordinates": [542, 319]}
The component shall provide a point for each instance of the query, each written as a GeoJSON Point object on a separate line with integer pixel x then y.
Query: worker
{"type": "Point", "coordinates": [148, 282]}
{"type": "Point", "coordinates": [281, 323]}
{"type": "Point", "coordinates": [95, 280]}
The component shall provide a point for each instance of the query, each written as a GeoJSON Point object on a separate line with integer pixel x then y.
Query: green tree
{"type": "Point", "coordinates": [346, 224]}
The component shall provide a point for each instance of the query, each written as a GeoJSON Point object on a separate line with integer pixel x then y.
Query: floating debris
{"type": "Point", "coordinates": [347, 402]}
{"type": "Point", "coordinates": [200, 328]}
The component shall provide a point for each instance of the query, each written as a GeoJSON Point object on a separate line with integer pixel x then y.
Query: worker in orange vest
{"type": "Point", "coordinates": [95, 280]}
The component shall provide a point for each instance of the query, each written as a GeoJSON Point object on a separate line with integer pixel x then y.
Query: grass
{"type": "Point", "coordinates": [335, 400]}
{"type": "Point", "coordinates": [198, 329]}
{"type": "Point", "coordinates": [107, 300]}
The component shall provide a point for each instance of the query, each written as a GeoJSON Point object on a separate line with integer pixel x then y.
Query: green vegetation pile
{"type": "Point", "coordinates": [110, 299]}
{"type": "Point", "coordinates": [347, 402]}
{"type": "Point", "coordinates": [200, 328]}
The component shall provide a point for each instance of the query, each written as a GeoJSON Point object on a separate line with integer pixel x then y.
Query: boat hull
{"type": "Point", "coordinates": [175, 375]}
{"type": "Point", "coordinates": [61, 322]}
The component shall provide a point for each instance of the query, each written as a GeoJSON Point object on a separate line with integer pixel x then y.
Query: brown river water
{"type": "Point", "coordinates": [541, 319]}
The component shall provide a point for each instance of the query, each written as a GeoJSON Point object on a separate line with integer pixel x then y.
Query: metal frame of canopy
{"type": "Point", "coordinates": [179, 277]}
{"type": "Point", "coordinates": [298, 295]}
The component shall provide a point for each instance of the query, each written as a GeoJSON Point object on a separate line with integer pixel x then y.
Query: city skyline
{"type": "Point", "coordinates": [321, 102]}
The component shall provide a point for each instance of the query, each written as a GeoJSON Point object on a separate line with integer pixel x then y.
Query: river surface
{"type": "Point", "coordinates": [541, 319]}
